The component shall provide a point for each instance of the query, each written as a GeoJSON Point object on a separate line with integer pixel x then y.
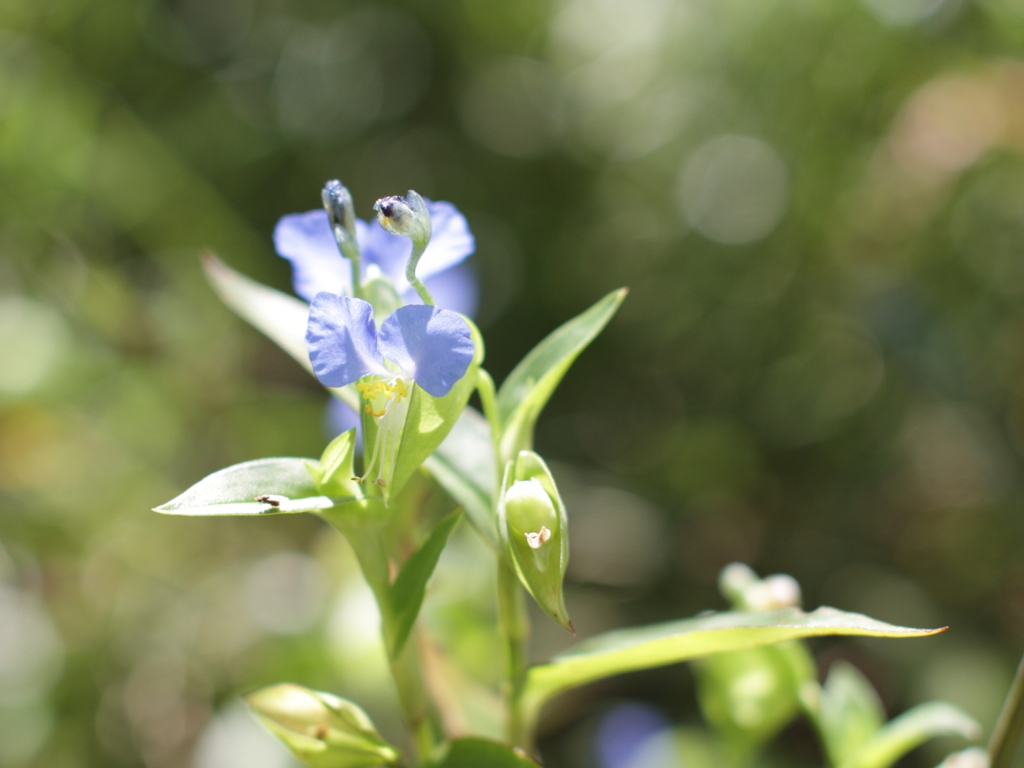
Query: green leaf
{"type": "Point", "coordinates": [411, 585]}
{"type": "Point", "coordinates": [528, 388]}
{"type": "Point", "coordinates": [627, 650]}
{"type": "Point", "coordinates": [334, 473]}
{"type": "Point", "coordinates": [972, 757]}
{"type": "Point", "coordinates": [464, 466]}
{"type": "Point", "coordinates": [323, 730]}
{"type": "Point", "coordinates": [481, 753]}
{"type": "Point", "coordinates": [280, 317]}
{"type": "Point", "coordinates": [233, 491]}
{"type": "Point", "coordinates": [910, 730]}
{"type": "Point", "coordinates": [849, 711]}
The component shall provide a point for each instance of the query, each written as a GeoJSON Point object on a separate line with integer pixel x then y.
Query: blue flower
{"type": "Point", "coordinates": [306, 240]}
{"type": "Point", "coordinates": [416, 344]}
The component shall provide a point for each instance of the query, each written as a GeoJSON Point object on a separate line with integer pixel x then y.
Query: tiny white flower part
{"type": "Point", "coordinates": [774, 592]}
{"type": "Point", "coordinates": [538, 539]}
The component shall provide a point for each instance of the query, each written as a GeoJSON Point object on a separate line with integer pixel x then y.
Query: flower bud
{"type": "Point", "coordinates": [324, 731]}
{"type": "Point", "coordinates": [406, 216]}
{"type": "Point", "coordinates": [338, 203]}
{"type": "Point", "coordinates": [534, 532]}
{"type": "Point", "coordinates": [749, 695]}
{"type": "Point", "coordinates": [342, 214]}
{"type": "Point", "coordinates": [741, 587]}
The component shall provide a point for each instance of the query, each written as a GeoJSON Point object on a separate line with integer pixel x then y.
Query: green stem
{"type": "Point", "coordinates": [410, 272]}
{"type": "Point", "coordinates": [365, 538]}
{"type": "Point", "coordinates": [416, 707]}
{"type": "Point", "coordinates": [1006, 734]}
{"type": "Point", "coordinates": [350, 250]}
{"type": "Point", "coordinates": [357, 287]}
{"type": "Point", "coordinates": [488, 399]}
{"type": "Point", "coordinates": [514, 626]}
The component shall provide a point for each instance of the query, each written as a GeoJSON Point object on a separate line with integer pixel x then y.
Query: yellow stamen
{"type": "Point", "coordinates": [383, 395]}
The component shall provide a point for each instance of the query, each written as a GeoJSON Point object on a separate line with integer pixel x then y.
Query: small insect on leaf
{"type": "Point", "coordinates": [271, 499]}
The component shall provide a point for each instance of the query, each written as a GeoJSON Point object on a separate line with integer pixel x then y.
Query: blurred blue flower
{"type": "Point", "coordinates": [624, 731]}
{"type": "Point", "coordinates": [306, 240]}
{"type": "Point", "coordinates": [420, 344]}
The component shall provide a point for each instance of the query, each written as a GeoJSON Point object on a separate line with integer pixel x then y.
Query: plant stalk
{"type": "Point", "coordinates": [1005, 736]}
{"type": "Point", "coordinates": [365, 538]}
{"type": "Point", "coordinates": [514, 626]}
{"type": "Point", "coordinates": [410, 272]}
{"type": "Point", "coordinates": [489, 401]}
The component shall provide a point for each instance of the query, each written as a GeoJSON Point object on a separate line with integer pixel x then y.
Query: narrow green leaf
{"type": "Point", "coordinates": [233, 490]}
{"type": "Point", "coordinates": [910, 730]}
{"type": "Point", "coordinates": [481, 753]}
{"type": "Point", "coordinates": [280, 317]}
{"type": "Point", "coordinates": [334, 473]}
{"type": "Point", "coordinates": [411, 585]}
{"type": "Point", "coordinates": [464, 466]}
{"type": "Point", "coordinates": [849, 711]}
{"type": "Point", "coordinates": [653, 646]}
{"type": "Point", "coordinates": [528, 388]}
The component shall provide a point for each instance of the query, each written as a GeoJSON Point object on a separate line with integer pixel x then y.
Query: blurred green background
{"type": "Point", "coordinates": [817, 204]}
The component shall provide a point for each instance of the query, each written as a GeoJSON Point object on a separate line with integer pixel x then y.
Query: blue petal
{"type": "Point", "coordinates": [450, 240]}
{"type": "Point", "coordinates": [455, 289]}
{"type": "Point", "coordinates": [306, 240]}
{"type": "Point", "coordinates": [429, 344]}
{"type": "Point", "coordinates": [389, 253]}
{"type": "Point", "coordinates": [342, 340]}
{"type": "Point", "coordinates": [450, 243]}
{"type": "Point", "coordinates": [339, 417]}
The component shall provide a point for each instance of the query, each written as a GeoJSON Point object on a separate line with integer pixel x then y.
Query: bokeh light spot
{"type": "Point", "coordinates": [734, 189]}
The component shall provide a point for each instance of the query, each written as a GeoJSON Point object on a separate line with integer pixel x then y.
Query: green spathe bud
{"type": "Point", "coordinates": [324, 731]}
{"type": "Point", "coordinates": [406, 216]}
{"type": "Point", "coordinates": [534, 532]}
{"type": "Point", "coordinates": [749, 695]}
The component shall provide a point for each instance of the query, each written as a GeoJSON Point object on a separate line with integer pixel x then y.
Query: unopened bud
{"type": "Point", "coordinates": [406, 216]}
{"type": "Point", "coordinates": [338, 203]}
{"type": "Point", "coordinates": [324, 731]}
{"type": "Point", "coordinates": [534, 532]}
{"type": "Point", "coordinates": [772, 593]}
{"type": "Point", "coordinates": [342, 214]}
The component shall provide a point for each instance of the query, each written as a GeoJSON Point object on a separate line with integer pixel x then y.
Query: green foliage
{"type": "Point", "coordinates": [528, 388]}
{"type": "Point", "coordinates": [849, 712]}
{"type": "Point", "coordinates": [234, 490]}
{"type": "Point", "coordinates": [476, 753]}
{"type": "Point", "coordinates": [410, 586]}
{"type": "Point", "coordinates": [464, 466]}
{"type": "Point", "coordinates": [909, 730]}
{"type": "Point", "coordinates": [627, 650]}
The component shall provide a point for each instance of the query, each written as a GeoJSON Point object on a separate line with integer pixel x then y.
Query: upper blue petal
{"type": "Point", "coordinates": [431, 345]}
{"type": "Point", "coordinates": [342, 340]}
{"type": "Point", "coordinates": [455, 289]}
{"type": "Point", "coordinates": [306, 240]}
